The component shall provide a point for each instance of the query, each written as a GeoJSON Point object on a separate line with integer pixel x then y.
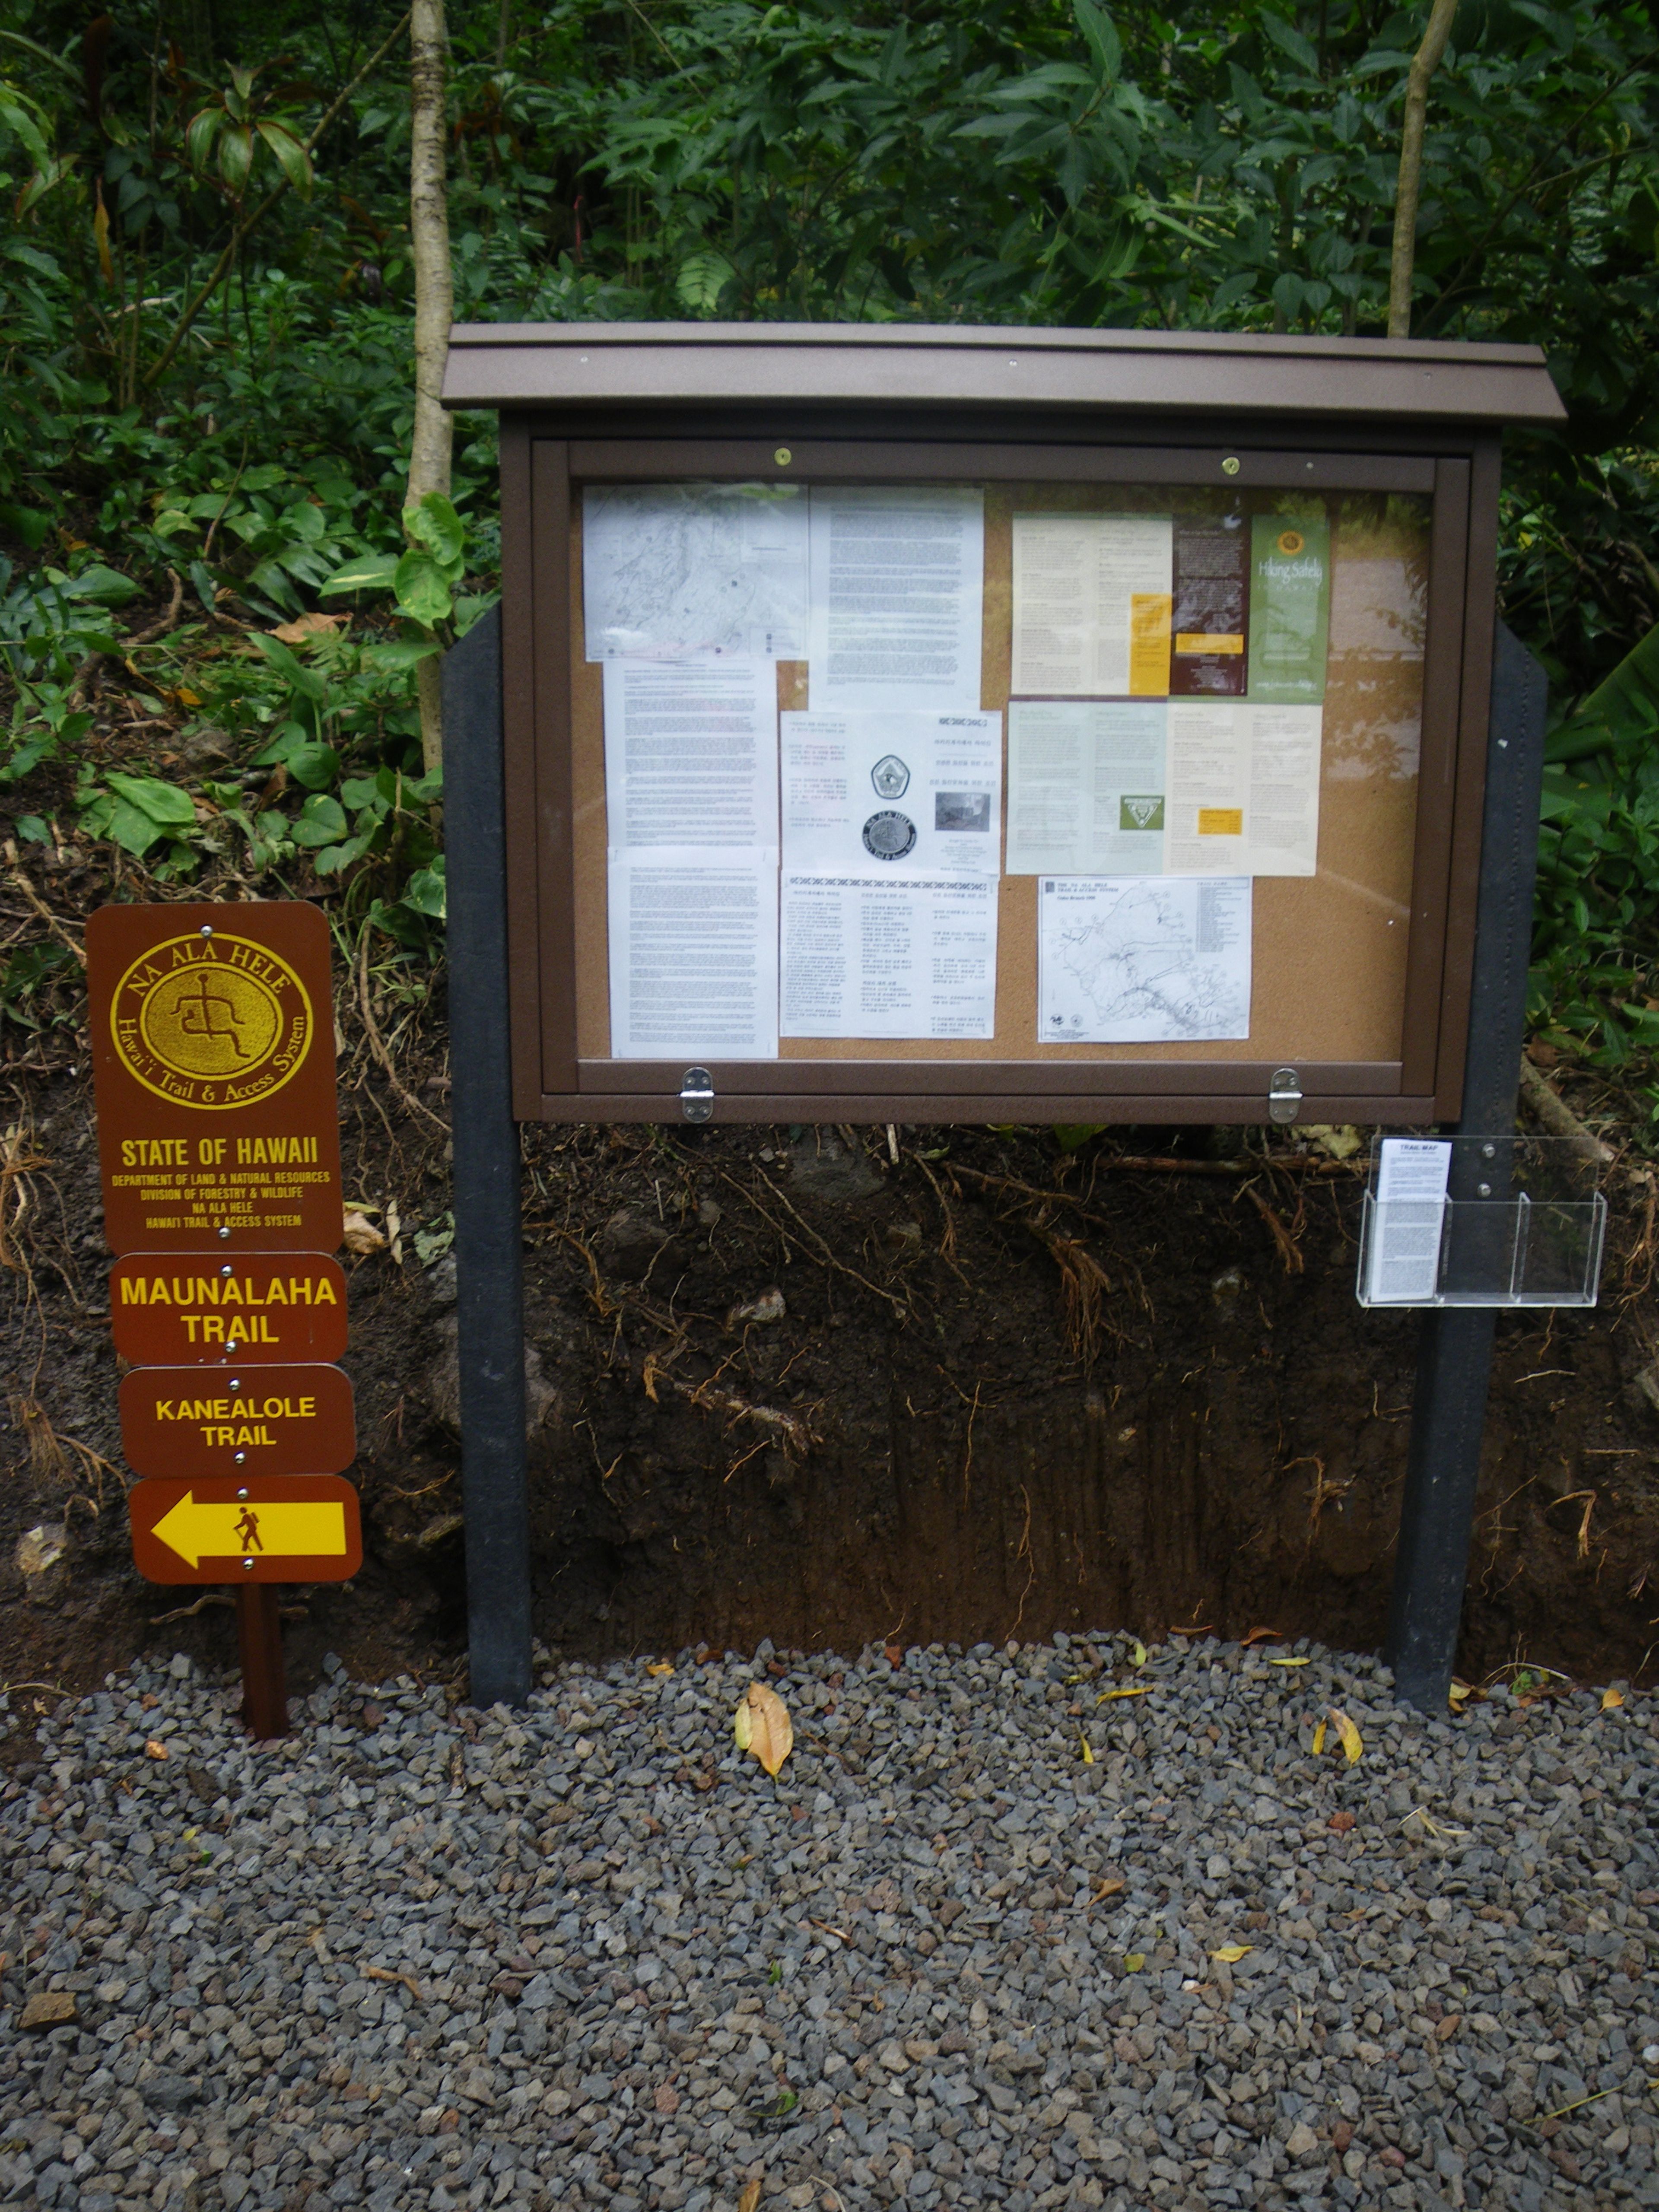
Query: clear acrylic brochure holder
{"type": "Point", "coordinates": [1480, 1221]}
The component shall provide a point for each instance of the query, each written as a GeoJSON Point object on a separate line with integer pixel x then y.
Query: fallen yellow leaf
{"type": "Point", "coordinates": [154, 1750]}
{"type": "Point", "coordinates": [1611, 1699]}
{"type": "Point", "coordinates": [762, 1725]}
{"type": "Point", "coordinates": [1231, 1953]}
{"type": "Point", "coordinates": [1348, 1734]}
{"type": "Point", "coordinates": [1458, 1691]}
{"type": "Point", "coordinates": [1137, 1653]}
{"type": "Point", "coordinates": [1287, 1662]}
{"type": "Point", "coordinates": [750, 2196]}
{"type": "Point", "coordinates": [1088, 1755]}
{"type": "Point", "coordinates": [309, 625]}
{"type": "Point", "coordinates": [1135, 1690]}
{"type": "Point", "coordinates": [361, 1236]}
{"type": "Point", "coordinates": [1134, 1961]}
{"type": "Point", "coordinates": [1319, 1739]}
{"type": "Point", "coordinates": [660, 1666]}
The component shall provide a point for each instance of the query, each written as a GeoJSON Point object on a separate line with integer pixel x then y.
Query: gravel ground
{"type": "Point", "coordinates": [589, 1955]}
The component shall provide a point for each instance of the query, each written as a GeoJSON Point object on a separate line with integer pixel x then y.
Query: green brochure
{"type": "Point", "coordinates": [1290, 609]}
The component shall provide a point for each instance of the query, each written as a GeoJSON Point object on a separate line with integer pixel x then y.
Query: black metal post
{"type": "Point", "coordinates": [489, 1246]}
{"type": "Point", "coordinates": [1454, 1363]}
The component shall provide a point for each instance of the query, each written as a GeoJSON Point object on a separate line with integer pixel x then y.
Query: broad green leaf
{"type": "Point", "coordinates": [132, 829]}
{"type": "Point", "coordinates": [399, 653]}
{"type": "Point", "coordinates": [199, 137]}
{"type": "Point", "coordinates": [702, 280]}
{"type": "Point", "coordinates": [291, 154]}
{"type": "Point", "coordinates": [432, 522]}
{"type": "Point", "coordinates": [1622, 709]}
{"type": "Point", "coordinates": [335, 859]}
{"type": "Point", "coordinates": [320, 821]}
{"type": "Point", "coordinates": [422, 589]}
{"type": "Point", "coordinates": [108, 587]}
{"type": "Point", "coordinates": [424, 890]}
{"type": "Point", "coordinates": [1101, 37]}
{"type": "Point", "coordinates": [305, 681]}
{"type": "Point", "coordinates": [1290, 41]}
{"type": "Point", "coordinates": [159, 802]}
{"type": "Point", "coordinates": [235, 155]}
{"type": "Point", "coordinates": [369, 572]}
{"type": "Point", "coordinates": [315, 766]}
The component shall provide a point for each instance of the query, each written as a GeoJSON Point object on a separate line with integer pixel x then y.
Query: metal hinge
{"type": "Point", "coordinates": [698, 1095]}
{"type": "Point", "coordinates": [1284, 1095]}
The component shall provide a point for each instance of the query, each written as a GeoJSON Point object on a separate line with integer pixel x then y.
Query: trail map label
{"type": "Point", "coordinates": [168, 1309]}
{"type": "Point", "coordinates": [273, 1420]}
{"type": "Point", "coordinates": [213, 1049]}
{"type": "Point", "coordinates": [293, 1528]}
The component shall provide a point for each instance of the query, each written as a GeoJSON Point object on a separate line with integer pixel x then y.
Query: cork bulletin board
{"type": "Point", "coordinates": [1330, 950]}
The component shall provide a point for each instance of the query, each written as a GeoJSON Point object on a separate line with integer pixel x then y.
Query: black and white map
{"type": "Point", "coordinates": [678, 570]}
{"type": "Point", "coordinates": [1143, 959]}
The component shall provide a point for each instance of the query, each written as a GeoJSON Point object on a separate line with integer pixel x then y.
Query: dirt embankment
{"type": "Point", "coordinates": [785, 1384]}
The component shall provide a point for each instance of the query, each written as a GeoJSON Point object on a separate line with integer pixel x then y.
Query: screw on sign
{"type": "Point", "coordinates": [218, 1137]}
{"type": "Point", "coordinates": [262, 1307]}
{"type": "Point", "coordinates": [273, 1420]}
{"type": "Point", "coordinates": [213, 1050]}
{"type": "Point", "coordinates": [270, 1529]}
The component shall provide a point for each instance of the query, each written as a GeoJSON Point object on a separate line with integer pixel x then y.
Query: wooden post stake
{"type": "Point", "coordinates": [259, 1640]}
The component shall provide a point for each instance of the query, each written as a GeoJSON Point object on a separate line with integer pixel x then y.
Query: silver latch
{"type": "Point", "coordinates": [1284, 1095]}
{"type": "Point", "coordinates": [698, 1095]}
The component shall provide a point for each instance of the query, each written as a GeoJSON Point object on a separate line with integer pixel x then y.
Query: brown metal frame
{"type": "Point", "coordinates": [542, 455]}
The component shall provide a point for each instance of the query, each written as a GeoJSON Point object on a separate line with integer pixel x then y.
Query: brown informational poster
{"type": "Point", "coordinates": [267, 1529]}
{"type": "Point", "coordinates": [1210, 623]}
{"type": "Point", "coordinates": [213, 1054]}
{"type": "Point", "coordinates": [273, 1420]}
{"type": "Point", "coordinates": [168, 1311]}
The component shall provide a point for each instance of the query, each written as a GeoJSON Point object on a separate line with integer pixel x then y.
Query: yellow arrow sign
{"type": "Point", "coordinates": [293, 1528]}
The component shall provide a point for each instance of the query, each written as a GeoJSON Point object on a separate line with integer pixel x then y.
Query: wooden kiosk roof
{"type": "Point", "coordinates": [603, 365]}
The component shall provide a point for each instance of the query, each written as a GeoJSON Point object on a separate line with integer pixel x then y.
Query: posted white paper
{"type": "Point", "coordinates": [1085, 787]}
{"type": "Point", "coordinates": [1243, 793]}
{"type": "Point", "coordinates": [690, 753]}
{"type": "Point", "coordinates": [694, 954]}
{"type": "Point", "coordinates": [693, 568]}
{"type": "Point", "coordinates": [1142, 960]}
{"type": "Point", "coordinates": [1408, 1216]}
{"type": "Point", "coordinates": [889, 956]}
{"type": "Point", "coordinates": [905, 791]}
{"type": "Point", "coordinates": [1092, 596]}
{"type": "Point", "coordinates": [898, 586]}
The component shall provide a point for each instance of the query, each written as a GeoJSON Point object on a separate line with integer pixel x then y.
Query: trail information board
{"type": "Point", "coordinates": [931, 724]}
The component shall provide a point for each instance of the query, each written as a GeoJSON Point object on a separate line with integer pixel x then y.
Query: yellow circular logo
{"type": "Point", "coordinates": [1290, 541]}
{"type": "Point", "coordinates": [213, 1022]}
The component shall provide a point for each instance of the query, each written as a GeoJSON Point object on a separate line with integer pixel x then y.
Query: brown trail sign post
{"type": "Point", "coordinates": [213, 1056]}
{"type": "Point", "coordinates": [900, 724]}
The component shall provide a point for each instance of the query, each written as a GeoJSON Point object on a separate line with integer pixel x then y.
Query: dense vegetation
{"type": "Point", "coordinates": [206, 321]}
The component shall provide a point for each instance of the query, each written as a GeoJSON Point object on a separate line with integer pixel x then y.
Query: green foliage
{"type": "Point", "coordinates": [1595, 985]}
{"type": "Point", "coordinates": [25, 986]}
{"type": "Point", "coordinates": [976, 161]}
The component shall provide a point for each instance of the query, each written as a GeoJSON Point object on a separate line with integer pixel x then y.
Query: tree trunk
{"type": "Point", "coordinates": [1424, 65]}
{"type": "Point", "coordinates": [434, 303]}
